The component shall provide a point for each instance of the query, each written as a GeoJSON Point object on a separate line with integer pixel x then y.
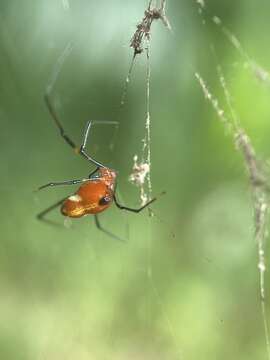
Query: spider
{"type": "Point", "coordinates": [96, 192]}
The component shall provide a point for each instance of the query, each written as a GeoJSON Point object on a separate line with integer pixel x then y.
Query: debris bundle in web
{"type": "Point", "coordinates": [140, 42]}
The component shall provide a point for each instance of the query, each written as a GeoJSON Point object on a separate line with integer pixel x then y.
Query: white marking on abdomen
{"type": "Point", "coordinates": [75, 198]}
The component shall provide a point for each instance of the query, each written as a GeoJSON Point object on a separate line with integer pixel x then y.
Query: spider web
{"type": "Point", "coordinates": [256, 170]}
{"type": "Point", "coordinates": [140, 43]}
{"type": "Point", "coordinates": [141, 171]}
{"type": "Point", "coordinates": [88, 304]}
{"type": "Point", "coordinates": [141, 174]}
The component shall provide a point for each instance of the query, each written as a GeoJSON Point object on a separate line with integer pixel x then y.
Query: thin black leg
{"type": "Point", "coordinates": [100, 227]}
{"type": "Point", "coordinates": [55, 117]}
{"type": "Point", "coordinates": [66, 182]}
{"type": "Point", "coordinates": [131, 209]}
{"type": "Point", "coordinates": [42, 214]}
{"type": "Point", "coordinates": [93, 172]}
{"type": "Point", "coordinates": [69, 141]}
{"type": "Point", "coordinates": [82, 148]}
{"type": "Point", "coordinates": [79, 150]}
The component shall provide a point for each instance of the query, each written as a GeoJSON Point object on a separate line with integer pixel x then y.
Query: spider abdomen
{"type": "Point", "coordinates": [92, 197]}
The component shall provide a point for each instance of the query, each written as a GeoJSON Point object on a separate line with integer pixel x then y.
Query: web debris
{"type": "Point", "coordinates": [138, 175]}
{"type": "Point", "coordinates": [260, 73]}
{"type": "Point", "coordinates": [143, 34]}
{"type": "Point", "coordinates": [256, 170]}
{"type": "Point", "coordinates": [143, 169]}
{"type": "Point", "coordinates": [140, 41]}
{"type": "Point", "coordinates": [257, 179]}
{"type": "Point", "coordinates": [144, 27]}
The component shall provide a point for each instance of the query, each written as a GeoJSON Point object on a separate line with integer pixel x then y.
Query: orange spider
{"type": "Point", "coordinates": [96, 192]}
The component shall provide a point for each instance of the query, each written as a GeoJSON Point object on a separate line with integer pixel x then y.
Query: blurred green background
{"type": "Point", "coordinates": [185, 285]}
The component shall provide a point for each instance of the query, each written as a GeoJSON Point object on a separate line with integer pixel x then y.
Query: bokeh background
{"type": "Point", "coordinates": [185, 285]}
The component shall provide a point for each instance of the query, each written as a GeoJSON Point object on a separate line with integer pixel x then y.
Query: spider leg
{"type": "Point", "coordinates": [122, 207]}
{"type": "Point", "coordinates": [57, 121]}
{"type": "Point", "coordinates": [83, 146]}
{"type": "Point", "coordinates": [78, 149]}
{"type": "Point", "coordinates": [42, 214]}
{"type": "Point", "coordinates": [93, 172]}
{"type": "Point", "coordinates": [100, 227]}
{"type": "Point", "coordinates": [86, 133]}
{"type": "Point", "coordinates": [69, 141]}
{"type": "Point", "coordinates": [66, 182]}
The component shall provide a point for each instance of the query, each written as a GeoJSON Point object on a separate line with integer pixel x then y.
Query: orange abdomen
{"type": "Point", "coordinates": [91, 198]}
